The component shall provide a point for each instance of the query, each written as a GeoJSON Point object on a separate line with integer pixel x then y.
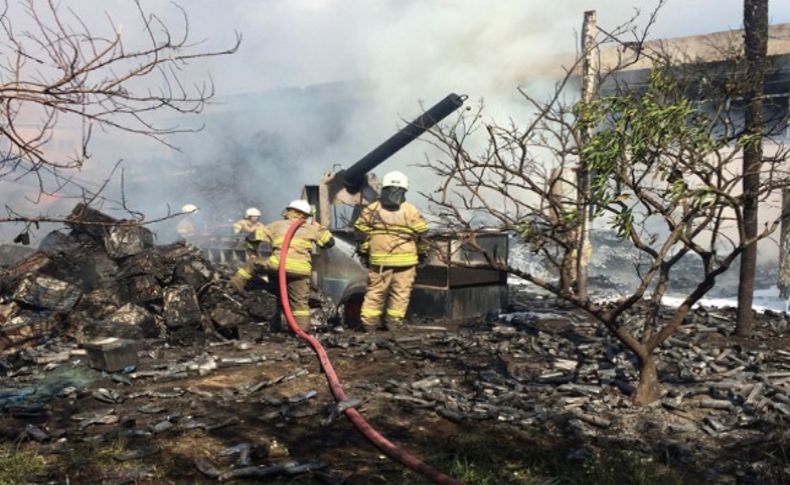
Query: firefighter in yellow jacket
{"type": "Point", "coordinates": [298, 264]}
{"type": "Point", "coordinates": [245, 227]}
{"type": "Point", "coordinates": [390, 230]}
{"type": "Point", "coordinates": [186, 226]}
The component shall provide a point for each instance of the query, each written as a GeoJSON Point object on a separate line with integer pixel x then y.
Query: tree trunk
{"type": "Point", "coordinates": [648, 389]}
{"type": "Point", "coordinates": [583, 180]}
{"type": "Point", "coordinates": [784, 248]}
{"type": "Point", "coordinates": [755, 25]}
{"type": "Point", "coordinates": [567, 273]}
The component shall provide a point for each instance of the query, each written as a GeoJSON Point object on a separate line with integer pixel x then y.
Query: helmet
{"type": "Point", "coordinates": [396, 179]}
{"type": "Point", "coordinates": [252, 212]}
{"type": "Point", "coordinates": [302, 206]}
{"type": "Point", "coordinates": [188, 208]}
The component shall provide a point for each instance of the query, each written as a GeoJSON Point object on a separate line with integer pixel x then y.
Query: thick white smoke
{"type": "Point", "coordinates": [263, 142]}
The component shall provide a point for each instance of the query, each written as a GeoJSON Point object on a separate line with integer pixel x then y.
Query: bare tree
{"type": "Point", "coordinates": [663, 161]}
{"type": "Point", "coordinates": [755, 26]}
{"type": "Point", "coordinates": [56, 68]}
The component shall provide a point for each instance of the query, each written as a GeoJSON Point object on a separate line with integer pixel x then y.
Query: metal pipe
{"type": "Point", "coordinates": [354, 176]}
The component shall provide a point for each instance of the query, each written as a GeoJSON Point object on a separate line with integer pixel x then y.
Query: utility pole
{"type": "Point", "coordinates": [583, 180]}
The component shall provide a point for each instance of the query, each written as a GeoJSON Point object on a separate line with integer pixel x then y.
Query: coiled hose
{"type": "Point", "coordinates": [390, 449]}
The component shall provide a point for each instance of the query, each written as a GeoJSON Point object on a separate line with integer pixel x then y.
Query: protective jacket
{"type": "Point", "coordinates": [252, 240]}
{"type": "Point", "coordinates": [298, 261]}
{"type": "Point", "coordinates": [185, 228]}
{"type": "Point", "coordinates": [391, 236]}
{"type": "Point", "coordinates": [245, 226]}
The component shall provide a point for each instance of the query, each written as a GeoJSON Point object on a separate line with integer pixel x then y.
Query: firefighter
{"type": "Point", "coordinates": [186, 226]}
{"type": "Point", "coordinates": [253, 266]}
{"type": "Point", "coordinates": [245, 227]}
{"type": "Point", "coordinates": [252, 219]}
{"type": "Point", "coordinates": [389, 231]}
{"type": "Point", "coordinates": [298, 264]}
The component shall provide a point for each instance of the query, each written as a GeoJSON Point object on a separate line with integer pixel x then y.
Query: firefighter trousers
{"type": "Point", "coordinates": [252, 267]}
{"type": "Point", "coordinates": [389, 291]}
{"type": "Point", "coordinates": [298, 298]}
{"type": "Point", "coordinates": [298, 291]}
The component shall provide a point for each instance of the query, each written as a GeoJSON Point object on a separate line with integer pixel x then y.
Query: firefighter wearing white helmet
{"type": "Point", "coordinates": [396, 179]}
{"type": "Point", "coordinates": [390, 232]}
{"type": "Point", "coordinates": [298, 262]}
{"type": "Point", "coordinates": [245, 227]}
{"type": "Point", "coordinates": [186, 226]}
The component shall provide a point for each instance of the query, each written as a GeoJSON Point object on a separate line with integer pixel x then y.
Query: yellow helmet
{"type": "Point", "coordinates": [189, 208]}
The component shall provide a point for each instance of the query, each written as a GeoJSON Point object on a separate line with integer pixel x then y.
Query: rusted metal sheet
{"type": "Point", "coordinates": [15, 334]}
{"type": "Point", "coordinates": [29, 265]}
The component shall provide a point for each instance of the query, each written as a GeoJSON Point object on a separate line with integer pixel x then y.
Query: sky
{"type": "Point", "coordinates": [479, 47]}
{"type": "Point", "coordinates": [302, 42]}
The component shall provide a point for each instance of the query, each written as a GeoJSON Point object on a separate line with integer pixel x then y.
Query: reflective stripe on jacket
{"type": "Point", "coordinates": [255, 231]}
{"type": "Point", "coordinates": [299, 257]}
{"type": "Point", "coordinates": [391, 235]}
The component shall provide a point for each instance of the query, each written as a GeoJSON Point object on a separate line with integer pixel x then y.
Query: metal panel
{"type": "Point", "coordinates": [452, 249]}
{"type": "Point", "coordinates": [444, 277]}
{"type": "Point", "coordinates": [458, 305]}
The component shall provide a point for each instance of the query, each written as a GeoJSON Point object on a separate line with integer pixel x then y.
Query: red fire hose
{"type": "Point", "coordinates": [386, 446]}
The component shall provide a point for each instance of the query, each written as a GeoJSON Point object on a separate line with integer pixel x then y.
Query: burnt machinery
{"type": "Point", "coordinates": [457, 282]}
{"type": "Point", "coordinates": [355, 185]}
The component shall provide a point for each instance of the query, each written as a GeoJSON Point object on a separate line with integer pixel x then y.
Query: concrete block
{"type": "Point", "coordinates": [142, 289]}
{"type": "Point", "coordinates": [181, 306]}
{"type": "Point", "coordinates": [112, 354]}
{"type": "Point", "coordinates": [131, 315]}
{"type": "Point", "coordinates": [123, 241]}
{"type": "Point", "coordinates": [48, 293]}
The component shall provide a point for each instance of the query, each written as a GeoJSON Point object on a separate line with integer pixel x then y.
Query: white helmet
{"type": "Point", "coordinates": [302, 206]}
{"type": "Point", "coordinates": [396, 179]}
{"type": "Point", "coordinates": [188, 208]}
{"type": "Point", "coordinates": [252, 212]}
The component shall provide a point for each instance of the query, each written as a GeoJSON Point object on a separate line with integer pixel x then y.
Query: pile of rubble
{"type": "Point", "coordinates": [106, 278]}
{"type": "Point", "coordinates": [553, 372]}
{"type": "Point", "coordinates": [545, 371]}
{"type": "Point", "coordinates": [161, 398]}
{"type": "Point", "coordinates": [591, 378]}
{"type": "Point", "coordinates": [613, 263]}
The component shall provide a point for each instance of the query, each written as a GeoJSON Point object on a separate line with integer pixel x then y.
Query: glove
{"type": "Point", "coordinates": [364, 258]}
{"type": "Point", "coordinates": [363, 252]}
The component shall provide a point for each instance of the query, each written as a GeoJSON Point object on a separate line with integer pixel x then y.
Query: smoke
{"type": "Point", "coordinates": [321, 82]}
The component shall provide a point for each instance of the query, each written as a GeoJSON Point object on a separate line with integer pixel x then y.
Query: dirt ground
{"type": "Point", "coordinates": [269, 404]}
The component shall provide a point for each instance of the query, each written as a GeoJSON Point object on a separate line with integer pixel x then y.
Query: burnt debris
{"type": "Point", "coordinates": [106, 278]}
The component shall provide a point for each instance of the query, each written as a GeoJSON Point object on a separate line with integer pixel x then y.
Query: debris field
{"type": "Point", "coordinates": [127, 362]}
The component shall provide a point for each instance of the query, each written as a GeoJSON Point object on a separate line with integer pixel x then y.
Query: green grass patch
{"type": "Point", "coordinates": [18, 464]}
{"type": "Point", "coordinates": [777, 455]}
{"type": "Point", "coordinates": [615, 467]}
{"type": "Point", "coordinates": [484, 460]}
